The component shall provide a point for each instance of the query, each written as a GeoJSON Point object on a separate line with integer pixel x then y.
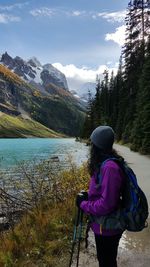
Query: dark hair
{"type": "Point", "coordinates": [97, 156]}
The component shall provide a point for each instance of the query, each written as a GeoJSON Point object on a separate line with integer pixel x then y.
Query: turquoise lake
{"type": "Point", "coordinates": [14, 151]}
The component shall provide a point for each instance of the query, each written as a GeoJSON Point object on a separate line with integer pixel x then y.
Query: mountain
{"type": "Point", "coordinates": [33, 72]}
{"type": "Point", "coordinates": [45, 102]}
{"type": "Point", "coordinates": [83, 91]}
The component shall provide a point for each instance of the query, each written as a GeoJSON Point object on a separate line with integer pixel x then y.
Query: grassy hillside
{"type": "Point", "coordinates": [11, 126]}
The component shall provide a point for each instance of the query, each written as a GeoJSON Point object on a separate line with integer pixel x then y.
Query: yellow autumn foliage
{"type": "Point", "coordinates": [10, 76]}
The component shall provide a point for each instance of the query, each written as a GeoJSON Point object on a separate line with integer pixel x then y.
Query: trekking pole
{"type": "Point", "coordinates": [80, 236]}
{"type": "Point", "coordinates": [75, 235]}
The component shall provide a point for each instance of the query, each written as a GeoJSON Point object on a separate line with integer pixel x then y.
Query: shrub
{"type": "Point", "coordinates": [42, 235]}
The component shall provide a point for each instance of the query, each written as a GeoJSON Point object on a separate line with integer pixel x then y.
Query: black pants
{"type": "Point", "coordinates": [107, 248]}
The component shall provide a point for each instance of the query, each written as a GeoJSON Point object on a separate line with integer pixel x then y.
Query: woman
{"type": "Point", "coordinates": [103, 198]}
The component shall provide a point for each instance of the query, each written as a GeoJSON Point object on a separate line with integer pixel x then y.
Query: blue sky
{"type": "Point", "coordinates": [80, 37]}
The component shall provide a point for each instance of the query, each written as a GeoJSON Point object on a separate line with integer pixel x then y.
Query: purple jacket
{"type": "Point", "coordinates": [106, 198]}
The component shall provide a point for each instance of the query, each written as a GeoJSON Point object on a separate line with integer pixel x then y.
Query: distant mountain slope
{"type": "Point", "coordinates": [83, 91]}
{"type": "Point", "coordinates": [56, 108]}
{"type": "Point", "coordinates": [12, 126]}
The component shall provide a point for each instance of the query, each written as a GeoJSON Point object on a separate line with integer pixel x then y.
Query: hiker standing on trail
{"type": "Point", "coordinates": [103, 198]}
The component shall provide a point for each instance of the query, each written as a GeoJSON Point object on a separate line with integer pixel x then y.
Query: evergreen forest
{"type": "Point", "coordinates": [123, 100]}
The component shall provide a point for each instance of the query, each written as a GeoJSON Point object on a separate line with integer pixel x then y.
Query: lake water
{"type": "Point", "coordinates": [14, 151]}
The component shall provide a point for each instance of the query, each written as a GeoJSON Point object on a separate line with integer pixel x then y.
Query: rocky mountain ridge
{"type": "Point", "coordinates": [33, 72]}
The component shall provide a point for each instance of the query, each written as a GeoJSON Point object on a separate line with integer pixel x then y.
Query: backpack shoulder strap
{"type": "Point", "coordinates": [99, 175]}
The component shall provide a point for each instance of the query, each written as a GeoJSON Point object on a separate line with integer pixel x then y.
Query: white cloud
{"type": "Point", "coordinates": [78, 13]}
{"type": "Point", "coordinates": [118, 36]}
{"type": "Point", "coordinates": [42, 12]}
{"type": "Point", "coordinates": [10, 7]}
{"type": "Point", "coordinates": [84, 74]}
{"type": "Point", "coordinates": [109, 63]}
{"type": "Point", "coordinates": [4, 18]}
{"type": "Point", "coordinates": [77, 76]}
{"type": "Point", "coordinates": [48, 12]}
{"type": "Point", "coordinates": [118, 16]}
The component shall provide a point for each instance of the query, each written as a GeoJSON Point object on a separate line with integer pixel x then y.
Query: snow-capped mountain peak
{"type": "Point", "coordinates": [33, 72]}
{"type": "Point", "coordinates": [52, 71]}
{"type": "Point", "coordinates": [34, 62]}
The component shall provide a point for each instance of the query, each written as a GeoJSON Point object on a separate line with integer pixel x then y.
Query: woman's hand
{"type": "Point", "coordinates": [82, 196]}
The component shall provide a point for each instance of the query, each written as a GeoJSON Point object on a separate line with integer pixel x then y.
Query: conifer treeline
{"type": "Point", "coordinates": [123, 101]}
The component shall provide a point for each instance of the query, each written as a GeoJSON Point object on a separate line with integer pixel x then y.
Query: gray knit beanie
{"type": "Point", "coordinates": [103, 137]}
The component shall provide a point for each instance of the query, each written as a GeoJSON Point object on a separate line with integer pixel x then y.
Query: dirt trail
{"type": "Point", "coordinates": [134, 248]}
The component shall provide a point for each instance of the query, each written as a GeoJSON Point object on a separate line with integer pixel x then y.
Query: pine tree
{"type": "Point", "coordinates": [112, 101]}
{"type": "Point", "coordinates": [89, 119]}
{"type": "Point", "coordinates": [118, 105]}
{"type": "Point", "coordinates": [141, 130]}
{"type": "Point", "coordinates": [134, 52]}
{"type": "Point", "coordinates": [105, 97]}
{"type": "Point", "coordinates": [97, 110]}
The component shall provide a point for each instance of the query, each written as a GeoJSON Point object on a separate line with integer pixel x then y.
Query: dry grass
{"type": "Point", "coordinates": [43, 235]}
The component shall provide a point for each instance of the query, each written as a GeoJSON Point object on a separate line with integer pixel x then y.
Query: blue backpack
{"type": "Point", "coordinates": [133, 213]}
